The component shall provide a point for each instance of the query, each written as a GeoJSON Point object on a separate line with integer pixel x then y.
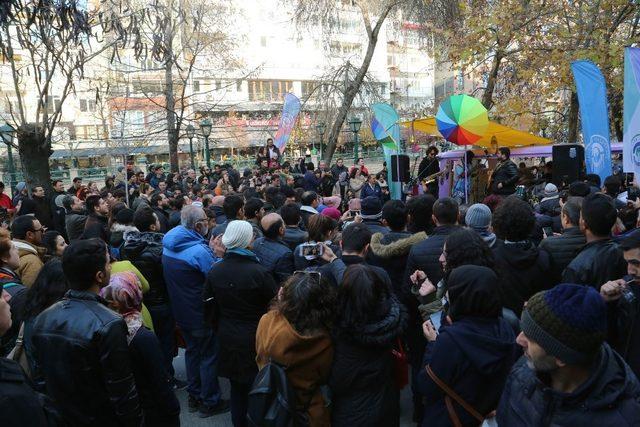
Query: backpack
{"type": "Point", "coordinates": [272, 400]}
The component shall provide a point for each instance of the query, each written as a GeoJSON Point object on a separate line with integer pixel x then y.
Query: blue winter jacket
{"type": "Point", "coordinates": [186, 261]}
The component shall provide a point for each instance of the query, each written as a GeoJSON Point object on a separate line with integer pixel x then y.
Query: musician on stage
{"type": "Point", "coordinates": [429, 166]}
{"type": "Point", "coordinates": [463, 175]}
{"type": "Point", "coordinates": [505, 175]}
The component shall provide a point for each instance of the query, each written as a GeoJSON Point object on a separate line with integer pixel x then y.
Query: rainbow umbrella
{"type": "Point", "coordinates": [462, 119]}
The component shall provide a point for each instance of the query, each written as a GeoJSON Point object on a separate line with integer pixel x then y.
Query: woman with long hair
{"type": "Point", "coordinates": [54, 243]}
{"type": "Point", "coordinates": [320, 229]}
{"type": "Point", "coordinates": [357, 180]}
{"type": "Point", "coordinates": [49, 288]}
{"type": "Point", "coordinates": [296, 333]}
{"type": "Point", "coordinates": [153, 383]}
{"type": "Point", "coordinates": [369, 322]}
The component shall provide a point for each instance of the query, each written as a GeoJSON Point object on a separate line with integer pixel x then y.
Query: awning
{"type": "Point", "coordinates": [504, 135]}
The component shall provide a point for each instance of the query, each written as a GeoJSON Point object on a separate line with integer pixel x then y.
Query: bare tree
{"type": "Point", "coordinates": [374, 14]}
{"type": "Point", "coordinates": [46, 45]}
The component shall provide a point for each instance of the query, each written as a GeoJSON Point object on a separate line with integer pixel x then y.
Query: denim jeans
{"type": "Point", "coordinates": [201, 358]}
{"type": "Point", "coordinates": [164, 326]}
{"type": "Point", "coordinates": [239, 403]}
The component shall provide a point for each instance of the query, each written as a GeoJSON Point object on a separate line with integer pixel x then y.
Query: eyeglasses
{"type": "Point", "coordinates": [42, 229]}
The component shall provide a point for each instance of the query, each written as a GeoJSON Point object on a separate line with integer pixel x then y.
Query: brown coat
{"type": "Point", "coordinates": [308, 360]}
{"type": "Point", "coordinates": [30, 261]}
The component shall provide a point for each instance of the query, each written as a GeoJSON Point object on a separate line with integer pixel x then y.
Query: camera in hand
{"type": "Point", "coordinates": [312, 250]}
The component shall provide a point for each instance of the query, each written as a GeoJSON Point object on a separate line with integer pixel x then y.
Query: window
{"type": "Point", "coordinates": [238, 85]}
{"type": "Point", "coordinates": [218, 84]}
{"type": "Point", "coordinates": [268, 90]}
{"type": "Point", "coordinates": [263, 41]}
{"type": "Point", "coordinates": [83, 105]}
{"type": "Point", "coordinates": [92, 105]}
{"type": "Point", "coordinates": [196, 85]}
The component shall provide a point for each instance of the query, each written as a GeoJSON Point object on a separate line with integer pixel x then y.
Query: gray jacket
{"type": "Point", "coordinates": [74, 223]}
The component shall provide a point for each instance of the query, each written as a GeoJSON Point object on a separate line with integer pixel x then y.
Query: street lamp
{"type": "Point", "coordinates": [321, 128]}
{"type": "Point", "coordinates": [354, 125]}
{"type": "Point", "coordinates": [205, 127]}
{"type": "Point", "coordinates": [7, 132]}
{"type": "Point", "coordinates": [191, 132]}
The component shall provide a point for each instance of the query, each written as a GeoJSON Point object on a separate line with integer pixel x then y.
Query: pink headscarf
{"type": "Point", "coordinates": [124, 289]}
{"type": "Point", "coordinates": [331, 202]}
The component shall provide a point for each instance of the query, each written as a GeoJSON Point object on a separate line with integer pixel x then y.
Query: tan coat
{"type": "Point", "coordinates": [30, 261]}
{"type": "Point", "coordinates": [308, 360]}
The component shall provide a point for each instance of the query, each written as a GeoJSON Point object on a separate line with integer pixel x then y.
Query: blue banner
{"type": "Point", "coordinates": [290, 111]}
{"type": "Point", "coordinates": [594, 114]}
{"type": "Point", "coordinates": [631, 155]}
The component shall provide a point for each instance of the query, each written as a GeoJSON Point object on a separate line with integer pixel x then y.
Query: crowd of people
{"type": "Point", "coordinates": [505, 311]}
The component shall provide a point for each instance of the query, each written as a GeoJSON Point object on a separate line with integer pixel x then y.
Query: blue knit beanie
{"type": "Point", "coordinates": [568, 321]}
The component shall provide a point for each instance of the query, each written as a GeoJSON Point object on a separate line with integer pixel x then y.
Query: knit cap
{"type": "Point", "coordinates": [550, 190]}
{"type": "Point", "coordinates": [238, 235]}
{"type": "Point", "coordinates": [331, 213]}
{"type": "Point", "coordinates": [478, 217]}
{"type": "Point", "coordinates": [371, 208]}
{"type": "Point", "coordinates": [567, 321]}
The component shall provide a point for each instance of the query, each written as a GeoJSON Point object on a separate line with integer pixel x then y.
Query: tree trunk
{"type": "Point", "coordinates": [487, 97]}
{"type": "Point", "coordinates": [34, 149]}
{"type": "Point", "coordinates": [572, 134]}
{"type": "Point", "coordinates": [616, 103]}
{"type": "Point", "coordinates": [170, 100]}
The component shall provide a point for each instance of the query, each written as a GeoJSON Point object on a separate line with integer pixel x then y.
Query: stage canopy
{"type": "Point", "coordinates": [504, 135]}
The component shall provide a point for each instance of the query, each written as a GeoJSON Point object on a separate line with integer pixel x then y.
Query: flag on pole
{"type": "Point", "coordinates": [385, 128]}
{"type": "Point", "coordinates": [594, 113]}
{"type": "Point", "coordinates": [290, 111]}
{"type": "Point", "coordinates": [631, 145]}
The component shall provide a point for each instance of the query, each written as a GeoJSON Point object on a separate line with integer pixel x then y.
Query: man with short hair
{"type": "Point", "coordinates": [340, 175]}
{"type": "Point", "coordinates": [159, 204]}
{"type": "Point", "coordinates": [272, 251]}
{"type": "Point", "coordinates": [27, 232]}
{"type": "Point", "coordinates": [611, 188]}
{"type": "Point", "coordinates": [79, 345]}
{"type": "Point", "coordinates": [390, 250]}
{"type": "Point", "coordinates": [253, 213]}
{"type": "Point", "coordinates": [293, 234]}
{"type": "Point", "coordinates": [77, 184]}
{"type": "Point", "coordinates": [42, 207]}
{"type": "Point", "coordinates": [600, 260]}
{"type": "Point", "coordinates": [425, 256]}
{"type": "Point", "coordinates": [623, 300]}
{"type": "Point", "coordinates": [430, 166]}
{"type": "Point", "coordinates": [144, 249]}
{"type": "Point", "coordinates": [562, 249]}
{"type": "Point", "coordinates": [186, 261]}
{"type": "Point", "coordinates": [233, 207]}
{"type": "Point", "coordinates": [56, 208]}
{"type": "Point", "coordinates": [505, 175]}
{"type": "Point", "coordinates": [75, 217]}
{"type": "Point", "coordinates": [157, 177]}
{"type": "Point", "coordinates": [310, 203]}
{"type": "Point", "coordinates": [568, 375]}
{"type": "Point", "coordinates": [98, 212]}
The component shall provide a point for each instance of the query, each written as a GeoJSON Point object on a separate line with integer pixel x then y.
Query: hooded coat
{"type": "Point", "coordinates": [524, 270]}
{"type": "Point", "coordinates": [610, 397]}
{"type": "Point", "coordinates": [362, 378]}
{"type": "Point", "coordinates": [186, 261]}
{"type": "Point", "coordinates": [307, 359]}
{"type": "Point", "coordinates": [473, 355]}
{"type": "Point", "coordinates": [30, 261]}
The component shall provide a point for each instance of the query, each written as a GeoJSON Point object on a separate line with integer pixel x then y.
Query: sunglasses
{"type": "Point", "coordinates": [315, 274]}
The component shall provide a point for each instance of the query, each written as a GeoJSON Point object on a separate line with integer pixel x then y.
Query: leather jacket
{"type": "Point", "coordinates": [80, 349]}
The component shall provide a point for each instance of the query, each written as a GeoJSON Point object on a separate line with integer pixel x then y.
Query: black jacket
{"type": "Point", "coordinates": [18, 293]}
{"type": "Point", "coordinates": [563, 249]}
{"type": "Point", "coordinates": [426, 254]}
{"type": "Point", "coordinates": [523, 270]}
{"type": "Point", "coordinates": [473, 356]}
{"type": "Point", "coordinates": [241, 290]}
{"type": "Point", "coordinates": [549, 206]}
{"type": "Point", "coordinates": [610, 397]}
{"type": "Point", "coordinates": [275, 256]}
{"type": "Point", "coordinates": [161, 408]}
{"type": "Point", "coordinates": [507, 174]}
{"type": "Point", "coordinates": [43, 212]}
{"type": "Point", "coordinates": [375, 226]}
{"type": "Point", "coordinates": [20, 406]}
{"type": "Point", "coordinates": [80, 348]}
{"type": "Point", "coordinates": [390, 252]}
{"type": "Point", "coordinates": [74, 223]}
{"type": "Point", "coordinates": [362, 375]}
{"type": "Point", "coordinates": [144, 250]}
{"type": "Point", "coordinates": [623, 320]}
{"type": "Point", "coordinates": [596, 264]}
{"type": "Point", "coordinates": [163, 217]}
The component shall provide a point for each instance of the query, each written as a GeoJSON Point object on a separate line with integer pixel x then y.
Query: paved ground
{"type": "Point", "coordinates": [188, 419]}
